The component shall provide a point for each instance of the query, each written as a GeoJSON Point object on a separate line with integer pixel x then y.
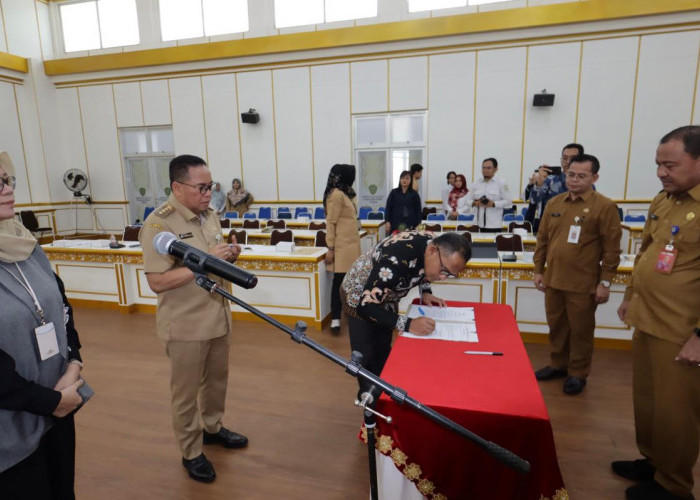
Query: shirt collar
{"type": "Point", "coordinates": [182, 209]}
{"type": "Point", "coordinates": [693, 193]}
{"type": "Point", "coordinates": [585, 196]}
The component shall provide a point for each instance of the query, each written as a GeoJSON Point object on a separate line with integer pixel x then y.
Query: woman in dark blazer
{"type": "Point", "coordinates": [403, 206]}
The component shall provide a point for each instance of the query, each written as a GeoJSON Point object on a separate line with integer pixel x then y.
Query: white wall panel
{"type": "Point", "coordinates": [547, 129]}
{"type": "Point", "coordinates": [605, 108]}
{"type": "Point", "coordinates": [665, 88]}
{"type": "Point", "coordinates": [3, 45]}
{"type": "Point", "coordinates": [127, 100]}
{"type": "Point", "coordinates": [101, 143]}
{"type": "Point", "coordinates": [258, 140]}
{"type": "Point", "coordinates": [450, 118]}
{"type": "Point", "coordinates": [222, 117]}
{"type": "Point", "coordinates": [111, 219]}
{"type": "Point", "coordinates": [500, 90]}
{"type": "Point", "coordinates": [42, 14]}
{"type": "Point", "coordinates": [156, 102]}
{"type": "Point", "coordinates": [21, 28]}
{"type": "Point", "coordinates": [71, 142]}
{"type": "Point", "coordinates": [11, 140]}
{"type": "Point", "coordinates": [369, 86]}
{"type": "Point", "coordinates": [408, 83]}
{"type": "Point", "coordinates": [293, 133]}
{"type": "Point", "coordinates": [188, 116]}
{"type": "Point", "coordinates": [330, 99]}
{"type": "Point", "coordinates": [31, 138]}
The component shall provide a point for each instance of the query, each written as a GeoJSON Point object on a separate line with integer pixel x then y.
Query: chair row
{"type": "Point", "coordinates": [277, 224]}
{"type": "Point", "coordinates": [276, 236]}
{"type": "Point", "coordinates": [437, 228]}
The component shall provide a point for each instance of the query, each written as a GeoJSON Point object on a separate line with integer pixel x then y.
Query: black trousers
{"type": "Point", "coordinates": [49, 472]}
{"type": "Point", "coordinates": [336, 305]}
{"type": "Point", "coordinates": [373, 342]}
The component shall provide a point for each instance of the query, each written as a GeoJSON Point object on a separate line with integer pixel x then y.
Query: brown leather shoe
{"type": "Point", "coordinates": [200, 468]}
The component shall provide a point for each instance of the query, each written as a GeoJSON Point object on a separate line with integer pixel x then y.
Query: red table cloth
{"type": "Point", "coordinates": [496, 397]}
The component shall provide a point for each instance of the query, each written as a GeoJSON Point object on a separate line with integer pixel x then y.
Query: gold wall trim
{"type": "Point", "coordinates": [603, 343]}
{"type": "Point", "coordinates": [14, 63]}
{"type": "Point", "coordinates": [417, 29]}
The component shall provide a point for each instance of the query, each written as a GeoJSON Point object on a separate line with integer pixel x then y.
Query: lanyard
{"type": "Point", "coordinates": [25, 284]}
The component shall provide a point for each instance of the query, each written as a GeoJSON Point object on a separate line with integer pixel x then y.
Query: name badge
{"type": "Point", "coordinates": [184, 236]}
{"type": "Point", "coordinates": [46, 339]}
{"type": "Point", "coordinates": [574, 233]}
{"type": "Point", "coordinates": [666, 260]}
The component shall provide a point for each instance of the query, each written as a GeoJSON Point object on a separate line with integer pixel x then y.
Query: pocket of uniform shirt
{"type": "Point", "coordinates": [689, 233]}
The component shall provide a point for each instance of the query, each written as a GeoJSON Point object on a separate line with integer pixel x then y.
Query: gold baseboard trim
{"type": "Point", "coordinates": [603, 343]}
{"type": "Point", "coordinates": [287, 319]}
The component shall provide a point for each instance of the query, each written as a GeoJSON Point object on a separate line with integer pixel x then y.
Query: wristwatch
{"type": "Point", "coordinates": [606, 284]}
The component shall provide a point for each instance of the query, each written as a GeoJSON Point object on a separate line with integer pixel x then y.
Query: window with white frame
{"type": "Point", "coordinates": [423, 5]}
{"type": "Point", "coordinates": [98, 24]}
{"type": "Point", "coordinates": [303, 12]}
{"type": "Point", "coordinates": [180, 19]}
{"type": "Point", "coordinates": [384, 146]}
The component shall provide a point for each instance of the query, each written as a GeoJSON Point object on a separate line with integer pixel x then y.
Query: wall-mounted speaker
{"type": "Point", "coordinates": [251, 116]}
{"type": "Point", "coordinates": [543, 99]}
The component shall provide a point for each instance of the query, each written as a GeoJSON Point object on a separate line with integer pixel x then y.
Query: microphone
{"type": "Point", "coordinates": [167, 243]}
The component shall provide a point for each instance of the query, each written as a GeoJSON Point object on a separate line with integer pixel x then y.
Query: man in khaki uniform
{"type": "Point", "coordinates": [663, 304]}
{"type": "Point", "coordinates": [194, 323]}
{"type": "Point", "coordinates": [579, 240]}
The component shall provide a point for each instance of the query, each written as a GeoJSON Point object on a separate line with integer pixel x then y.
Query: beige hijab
{"type": "Point", "coordinates": [16, 242]}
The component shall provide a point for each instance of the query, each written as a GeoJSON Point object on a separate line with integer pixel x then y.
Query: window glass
{"type": "Point", "coordinates": [180, 19]}
{"type": "Point", "coordinates": [342, 10]}
{"type": "Point", "coordinates": [80, 26]}
{"type": "Point", "coordinates": [119, 24]}
{"type": "Point", "coordinates": [371, 131]}
{"type": "Point", "coordinates": [298, 12]}
{"type": "Point", "coordinates": [135, 142]}
{"type": "Point", "coordinates": [225, 16]}
{"type": "Point", "coordinates": [407, 129]}
{"type": "Point", "coordinates": [421, 5]}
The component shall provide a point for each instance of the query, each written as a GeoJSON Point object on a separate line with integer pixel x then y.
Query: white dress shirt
{"type": "Point", "coordinates": [495, 190]}
{"type": "Point", "coordinates": [445, 198]}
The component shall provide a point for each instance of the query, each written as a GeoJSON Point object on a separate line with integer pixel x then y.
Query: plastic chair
{"type": "Point", "coordinates": [278, 235]}
{"type": "Point", "coordinates": [426, 211]}
{"type": "Point", "coordinates": [301, 211]}
{"type": "Point", "coordinates": [468, 236]}
{"type": "Point", "coordinates": [251, 223]}
{"type": "Point", "coordinates": [30, 221]}
{"type": "Point", "coordinates": [265, 212]}
{"type": "Point", "coordinates": [317, 225]}
{"type": "Point", "coordinates": [509, 243]}
{"type": "Point", "coordinates": [225, 223]}
{"type": "Point", "coordinates": [375, 216]}
{"type": "Point", "coordinates": [382, 210]}
{"type": "Point", "coordinates": [282, 209]}
{"type": "Point", "coordinates": [466, 217]}
{"type": "Point", "coordinates": [231, 215]}
{"type": "Point", "coordinates": [320, 240]}
{"type": "Point", "coordinates": [436, 217]}
{"type": "Point", "coordinates": [513, 217]}
{"type": "Point", "coordinates": [131, 233]}
{"type": "Point", "coordinates": [362, 214]}
{"type": "Point", "coordinates": [284, 215]}
{"type": "Point", "coordinates": [241, 236]}
{"type": "Point", "coordinates": [249, 215]}
{"type": "Point", "coordinates": [472, 228]}
{"type": "Point", "coordinates": [277, 224]}
{"type": "Point", "coordinates": [433, 228]}
{"type": "Point", "coordinates": [319, 213]}
{"type": "Point", "coordinates": [147, 211]}
{"type": "Point", "coordinates": [520, 225]}
{"type": "Point", "coordinates": [634, 218]}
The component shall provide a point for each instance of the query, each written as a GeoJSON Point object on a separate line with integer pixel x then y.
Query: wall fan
{"type": "Point", "coordinates": [76, 180]}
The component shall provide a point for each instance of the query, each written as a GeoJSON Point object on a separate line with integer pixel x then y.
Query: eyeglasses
{"type": "Point", "coordinates": [203, 188]}
{"type": "Point", "coordinates": [574, 175]}
{"type": "Point", "coordinates": [443, 270]}
{"type": "Point", "coordinates": [10, 180]}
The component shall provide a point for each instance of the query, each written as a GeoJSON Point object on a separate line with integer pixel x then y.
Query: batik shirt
{"type": "Point", "coordinates": [552, 186]}
{"type": "Point", "coordinates": [382, 276]}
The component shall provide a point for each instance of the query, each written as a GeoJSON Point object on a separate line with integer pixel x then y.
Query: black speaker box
{"type": "Point", "coordinates": [250, 116]}
{"type": "Point", "coordinates": [543, 100]}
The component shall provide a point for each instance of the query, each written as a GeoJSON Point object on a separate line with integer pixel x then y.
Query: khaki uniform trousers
{"type": "Point", "coordinates": [666, 411]}
{"type": "Point", "coordinates": [198, 379]}
{"type": "Point", "coordinates": [571, 320]}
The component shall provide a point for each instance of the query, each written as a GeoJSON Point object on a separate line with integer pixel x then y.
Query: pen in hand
{"type": "Point", "coordinates": [485, 353]}
{"type": "Point", "coordinates": [421, 311]}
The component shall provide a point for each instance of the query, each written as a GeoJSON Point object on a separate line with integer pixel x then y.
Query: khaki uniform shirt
{"type": "Point", "coordinates": [578, 267]}
{"type": "Point", "coordinates": [667, 306]}
{"type": "Point", "coordinates": [187, 312]}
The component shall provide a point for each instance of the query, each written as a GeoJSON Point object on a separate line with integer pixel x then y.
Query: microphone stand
{"type": "Point", "coordinates": [354, 368]}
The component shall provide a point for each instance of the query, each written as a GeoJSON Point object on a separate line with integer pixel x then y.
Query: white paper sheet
{"type": "Point", "coordinates": [451, 323]}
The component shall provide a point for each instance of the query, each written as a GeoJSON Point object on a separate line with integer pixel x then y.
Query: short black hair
{"type": "Point", "coordinates": [583, 158]}
{"type": "Point", "coordinates": [451, 172]}
{"type": "Point", "coordinates": [180, 166]}
{"type": "Point", "coordinates": [690, 135]}
{"type": "Point", "coordinates": [573, 145]}
{"type": "Point", "coordinates": [416, 167]}
{"type": "Point", "coordinates": [454, 242]}
{"type": "Point", "coordinates": [494, 160]}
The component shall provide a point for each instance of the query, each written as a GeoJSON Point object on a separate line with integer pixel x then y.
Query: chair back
{"type": "Point", "coordinates": [225, 223]}
{"type": "Point", "coordinates": [278, 235]}
{"type": "Point", "coordinates": [634, 218]}
{"type": "Point", "coordinates": [320, 239]}
{"type": "Point", "coordinates": [251, 224]}
{"type": "Point", "coordinates": [436, 217]}
{"type": "Point", "coordinates": [147, 211]}
{"type": "Point", "coordinates": [29, 220]}
{"type": "Point", "coordinates": [319, 213]}
{"type": "Point", "coordinates": [434, 228]}
{"type": "Point", "coordinates": [247, 215]}
{"type": "Point", "coordinates": [282, 209]}
{"type": "Point", "coordinates": [382, 210]}
{"type": "Point", "coordinates": [277, 224]}
{"type": "Point", "coordinates": [284, 215]}
{"type": "Point", "coordinates": [520, 225]}
{"type": "Point", "coordinates": [317, 225]}
{"type": "Point", "coordinates": [265, 212]}
{"type": "Point", "coordinates": [426, 211]}
{"type": "Point", "coordinates": [231, 215]}
{"type": "Point", "coordinates": [513, 217]}
{"type": "Point", "coordinates": [468, 236]}
{"type": "Point", "coordinates": [240, 235]}
{"type": "Point", "coordinates": [301, 211]}
{"type": "Point", "coordinates": [466, 217]}
{"type": "Point", "coordinates": [375, 216]}
{"type": "Point", "coordinates": [471, 228]}
{"type": "Point", "coordinates": [509, 243]}
{"type": "Point", "coordinates": [363, 212]}
{"type": "Point", "coordinates": [131, 233]}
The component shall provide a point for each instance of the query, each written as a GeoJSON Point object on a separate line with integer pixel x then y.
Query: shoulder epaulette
{"type": "Point", "coordinates": [165, 210]}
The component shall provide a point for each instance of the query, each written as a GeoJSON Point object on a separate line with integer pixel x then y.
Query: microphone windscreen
{"type": "Point", "coordinates": [162, 242]}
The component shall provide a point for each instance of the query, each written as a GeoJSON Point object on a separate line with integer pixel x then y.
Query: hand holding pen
{"type": "Point", "coordinates": [421, 325]}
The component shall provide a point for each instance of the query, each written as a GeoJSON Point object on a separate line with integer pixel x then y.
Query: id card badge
{"type": "Point", "coordinates": [667, 257]}
{"type": "Point", "coordinates": [47, 341]}
{"type": "Point", "coordinates": [574, 233]}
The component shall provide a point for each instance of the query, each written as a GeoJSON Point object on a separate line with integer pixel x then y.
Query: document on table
{"type": "Point", "coordinates": [451, 323]}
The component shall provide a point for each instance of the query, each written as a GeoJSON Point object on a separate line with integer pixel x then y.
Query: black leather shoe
{"type": "Point", "coordinates": [652, 490]}
{"type": "Point", "coordinates": [200, 468]}
{"type": "Point", "coordinates": [574, 385]}
{"type": "Point", "coordinates": [636, 470]}
{"type": "Point", "coordinates": [549, 373]}
{"type": "Point", "coordinates": [226, 438]}
{"type": "Point", "coordinates": [335, 330]}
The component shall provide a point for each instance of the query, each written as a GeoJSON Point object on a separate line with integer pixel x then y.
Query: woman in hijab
{"type": "Point", "coordinates": [39, 365]}
{"type": "Point", "coordinates": [342, 235]}
{"type": "Point", "coordinates": [403, 207]}
{"type": "Point", "coordinates": [459, 190]}
{"type": "Point", "coordinates": [238, 199]}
